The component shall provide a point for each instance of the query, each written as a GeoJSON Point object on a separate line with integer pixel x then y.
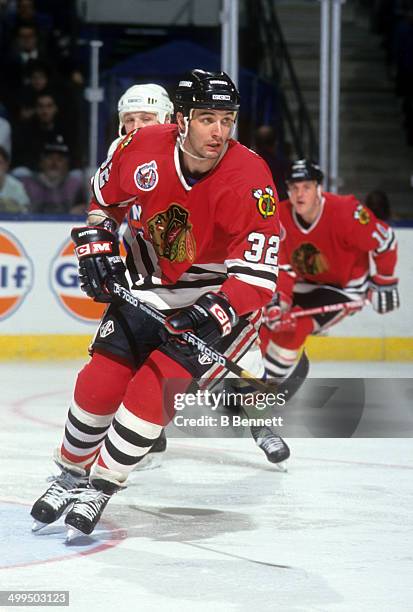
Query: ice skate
{"type": "Point", "coordinates": [88, 507]}
{"type": "Point", "coordinates": [58, 497]}
{"type": "Point", "coordinates": [274, 447]}
{"type": "Point", "coordinates": [153, 459]}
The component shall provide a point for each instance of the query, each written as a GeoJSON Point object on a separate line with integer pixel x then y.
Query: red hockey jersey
{"type": "Point", "coordinates": [221, 232]}
{"type": "Point", "coordinates": [336, 248]}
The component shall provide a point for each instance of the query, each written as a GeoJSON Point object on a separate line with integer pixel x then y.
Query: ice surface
{"type": "Point", "coordinates": [215, 528]}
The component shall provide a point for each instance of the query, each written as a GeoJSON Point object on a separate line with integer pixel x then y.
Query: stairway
{"type": "Point", "coordinates": [373, 153]}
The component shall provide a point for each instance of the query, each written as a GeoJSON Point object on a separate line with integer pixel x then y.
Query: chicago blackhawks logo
{"type": "Point", "coordinates": [307, 259]}
{"type": "Point", "coordinates": [362, 215]}
{"type": "Point", "coordinates": [146, 176]}
{"type": "Point", "coordinates": [171, 234]}
{"type": "Point", "coordinates": [265, 201]}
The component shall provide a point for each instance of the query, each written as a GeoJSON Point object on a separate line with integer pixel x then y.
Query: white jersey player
{"type": "Point", "coordinates": [138, 107]}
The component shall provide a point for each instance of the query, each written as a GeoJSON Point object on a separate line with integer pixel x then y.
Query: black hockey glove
{"type": "Point", "coordinates": [383, 293]}
{"type": "Point", "coordinates": [97, 250]}
{"type": "Point", "coordinates": [210, 318]}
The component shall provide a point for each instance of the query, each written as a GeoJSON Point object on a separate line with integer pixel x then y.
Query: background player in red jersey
{"type": "Point", "coordinates": [207, 256]}
{"type": "Point", "coordinates": [325, 258]}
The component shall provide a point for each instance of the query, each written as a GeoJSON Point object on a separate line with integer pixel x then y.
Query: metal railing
{"type": "Point", "coordinates": [279, 67]}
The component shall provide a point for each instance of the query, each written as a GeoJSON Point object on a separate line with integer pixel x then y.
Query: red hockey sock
{"type": "Point", "coordinates": [102, 383]}
{"type": "Point", "coordinates": [99, 391]}
{"type": "Point", "coordinates": [150, 393]}
{"type": "Point", "coordinates": [148, 405]}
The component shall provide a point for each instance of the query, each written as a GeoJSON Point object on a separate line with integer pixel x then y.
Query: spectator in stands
{"type": "Point", "coordinates": [266, 146]}
{"type": "Point", "coordinates": [379, 203]}
{"type": "Point", "coordinates": [26, 13]}
{"type": "Point", "coordinates": [38, 82]}
{"type": "Point", "coordinates": [13, 196]}
{"type": "Point", "coordinates": [54, 189]}
{"type": "Point", "coordinates": [24, 47]}
{"type": "Point", "coordinates": [5, 135]}
{"type": "Point", "coordinates": [17, 12]}
{"type": "Point", "coordinates": [45, 127]}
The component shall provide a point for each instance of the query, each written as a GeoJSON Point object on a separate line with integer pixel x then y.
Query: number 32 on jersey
{"type": "Point", "coordinates": [263, 249]}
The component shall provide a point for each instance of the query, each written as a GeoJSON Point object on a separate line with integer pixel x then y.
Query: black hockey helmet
{"type": "Point", "coordinates": [201, 89]}
{"type": "Point", "coordinates": [304, 170]}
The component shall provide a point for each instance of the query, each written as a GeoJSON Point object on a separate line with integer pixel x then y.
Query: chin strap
{"type": "Point", "coordinates": [183, 135]}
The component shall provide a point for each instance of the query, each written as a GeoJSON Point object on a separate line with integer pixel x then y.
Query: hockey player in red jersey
{"type": "Point", "coordinates": [328, 242]}
{"type": "Point", "coordinates": [207, 256]}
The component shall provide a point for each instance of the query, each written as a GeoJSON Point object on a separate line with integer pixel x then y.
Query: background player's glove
{"type": "Point", "coordinates": [99, 262]}
{"type": "Point", "coordinates": [210, 318]}
{"type": "Point", "coordinates": [383, 293]}
{"type": "Point", "coordinates": [279, 309]}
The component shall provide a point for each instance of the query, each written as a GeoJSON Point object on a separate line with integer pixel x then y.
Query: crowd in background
{"type": "Point", "coordinates": [42, 125]}
{"type": "Point", "coordinates": [393, 20]}
{"type": "Point", "coordinates": [43, 113]}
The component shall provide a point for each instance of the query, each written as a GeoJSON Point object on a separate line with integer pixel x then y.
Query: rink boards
{"type": "Point", "coordinates": [44, 315]}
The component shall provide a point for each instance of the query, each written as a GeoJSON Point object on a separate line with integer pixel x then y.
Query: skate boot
{"type": "Point", "coordinates": [88, 507]}
{"type": "Point", "coordinates": [153, 458]}
{"type": "Point", "coordinates": [274, 447]}
{"type": "Point", "coordinates": [59, 496]}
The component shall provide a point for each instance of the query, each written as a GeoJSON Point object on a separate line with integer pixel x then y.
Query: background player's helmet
{"type": "Point", "coordinates": [201, 89]}
{"type": "Point", "coordinates": [304, 170]}
{"type": "Point", "coordinates": [148, 98]}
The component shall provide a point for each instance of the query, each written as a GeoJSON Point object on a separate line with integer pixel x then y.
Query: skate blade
{"type": "Point", "coordinates": [74, 535]}
{"type": "Point", "coordinates": [282, 466]}
{"type": "Point", "coordinates": [38, 526]}
{"type": "Point", "coordinates": [47, 529]}
{"type": "Point", "coordinates": [149, 462]}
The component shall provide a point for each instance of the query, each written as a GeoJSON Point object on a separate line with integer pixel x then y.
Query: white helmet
{"type": "Point", "coordinates": [148, 98]}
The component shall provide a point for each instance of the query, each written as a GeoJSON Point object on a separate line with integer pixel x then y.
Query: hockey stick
{"type": "Point", "coordinates": [288, 317]}
{"type": "Point", "coordinates": [189, 337]}
{"type": "Point", "coordinates": [309, 312]}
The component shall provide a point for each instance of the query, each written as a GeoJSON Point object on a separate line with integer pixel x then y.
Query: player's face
{"type": "Point", "coordinates": [208, 132]}
{"type": "Point", "coordinates": [139, 119]}
{"type": "Point", "coordinates": [305, 199]}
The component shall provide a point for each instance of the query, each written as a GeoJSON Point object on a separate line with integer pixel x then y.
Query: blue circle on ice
{"type": "Point", "coordinates": [21, 547]}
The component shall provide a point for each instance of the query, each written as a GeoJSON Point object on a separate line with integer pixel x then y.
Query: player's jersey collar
{"type": "Point", "coordinates": [307, 230]}
{"type": "Point", "coordinates": [178, 168]}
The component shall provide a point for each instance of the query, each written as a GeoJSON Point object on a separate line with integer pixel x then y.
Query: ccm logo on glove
{"type": "Point", "coordinates": [224, 320]}
{"type": "Point", "coordinates": [93, 248]}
